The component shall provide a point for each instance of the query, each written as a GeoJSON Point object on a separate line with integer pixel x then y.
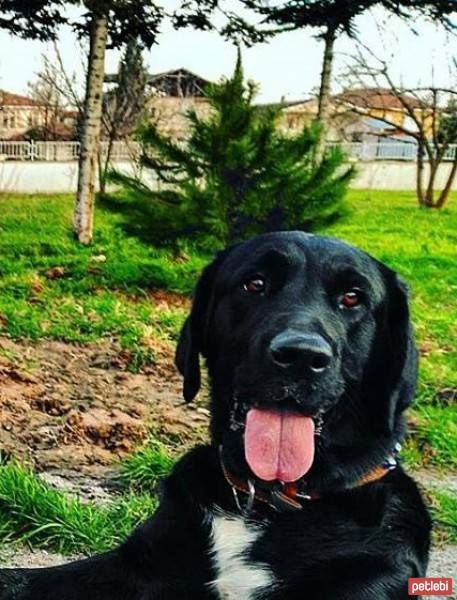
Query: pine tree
{"type": "Point", "coordinates": [237, 175]}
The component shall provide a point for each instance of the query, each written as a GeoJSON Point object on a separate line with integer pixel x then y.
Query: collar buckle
{"type": "Point", "coordinates": [283, 503]}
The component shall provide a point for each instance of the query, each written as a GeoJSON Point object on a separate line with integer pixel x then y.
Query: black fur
{"type": "Point", "coordinates": [358, 543]}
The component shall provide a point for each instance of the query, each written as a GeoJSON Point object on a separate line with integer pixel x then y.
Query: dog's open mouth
{"type": "Point", "coordinates": [279, 445]}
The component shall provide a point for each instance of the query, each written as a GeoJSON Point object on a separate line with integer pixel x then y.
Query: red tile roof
{"type": "Point", "coordinates": [378, 98]}
{"type": "Point", "coordinates": [10, 99]}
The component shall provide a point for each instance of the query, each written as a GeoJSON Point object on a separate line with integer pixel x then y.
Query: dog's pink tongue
{"type": "Point", "coordinates": [278, 445]}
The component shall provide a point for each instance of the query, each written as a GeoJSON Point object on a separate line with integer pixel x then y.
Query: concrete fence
{"type": "Point", "coordinates": [51, 167]}
{"type": "Point", "coordinates": [61, 177]}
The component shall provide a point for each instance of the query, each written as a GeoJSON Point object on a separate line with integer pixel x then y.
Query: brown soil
{"type": "Point", "coordinates": [67, 407]}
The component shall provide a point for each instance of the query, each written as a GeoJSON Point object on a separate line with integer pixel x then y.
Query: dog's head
{"type": "Point", "coordinates": [303, 336]}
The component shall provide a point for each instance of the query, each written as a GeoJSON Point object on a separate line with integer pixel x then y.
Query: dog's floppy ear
{"type": "Point", "coordinates": [398, 373]}
{"type": "Point", "coordinates": [192, 339]}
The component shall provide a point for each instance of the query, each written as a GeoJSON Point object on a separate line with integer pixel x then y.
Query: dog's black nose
{"type": "Point", "coordinates": [294, 349]}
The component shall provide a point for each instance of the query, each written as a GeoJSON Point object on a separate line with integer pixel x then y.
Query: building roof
{"type": "Point", "coordinates": [177, 82]}
{"type": "Point", "coordinates": [11, 99]}
{"type": "Point", "coordinates": [70, 113]}
{"type": "Point", "coordinates": [377, 99]}
{"type": "Point", "coordinates": [365, 98]}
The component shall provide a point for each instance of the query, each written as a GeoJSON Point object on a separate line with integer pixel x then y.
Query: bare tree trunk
{"type": "Point", "coordinates": [448, 187]}
{"type": "Point", "coordinates": [420, 175]}
{"type": "Point", "coordinates": [430, 194]}
{"type": "Point", "coordinates": [325, 93]}
{"type": "Point", "coordinates": [90, 137]}
{"type": "Point", "coordinates": [101, 173]}
{"type": "Point", "coordinates": [104, 163]}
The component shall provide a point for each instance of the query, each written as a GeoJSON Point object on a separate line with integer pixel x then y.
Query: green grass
{"type": "Point", "coordinates": [434, 436]}
{"type": "Point", "coordinates": [92, 299]}
{"type": "Point", "coordinates": [143, 470]}
{"type": "Point", "coordinates": [32, 512]}
{"type": "Point", "coordinates": [444, 510]}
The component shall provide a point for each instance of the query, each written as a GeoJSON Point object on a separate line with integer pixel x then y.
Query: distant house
{"type": "Point", "coordinates": [359, 115]}
{"type": "Point", "coordinates": [383, 113]}
{"type": "Point", "coordinates": [18, 114]}
{"type": "Point", "coordinates": [294, 115]}
{"type": "Point", "coordinates": [22, 117]}
{"type": "Point", "coordinates": [171, 95]}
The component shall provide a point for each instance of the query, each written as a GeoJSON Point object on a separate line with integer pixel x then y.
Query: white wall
{"type": "Point", "coordinates": [30, 177]}
{"type": "Point", "coordinates": [394, 175]}
{"type": "Point", "coordinates": [54, 177]}
{"type": "Point", "coordinates": [27, 177]}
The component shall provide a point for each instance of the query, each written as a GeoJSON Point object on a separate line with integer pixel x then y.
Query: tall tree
{"type": "Point", "coordinates": [334, 17]}
{"type": "Point", "coordinates": [90, 130]}
{"type": "Point", "coordinates": [109, 23]}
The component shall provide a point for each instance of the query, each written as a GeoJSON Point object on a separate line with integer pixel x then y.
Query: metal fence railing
{"type": "Point", "coordinates": [60, 151]}
{"type": "Point", "coordinates": [126, 151]}
{"type": "Point", "coordinates": [388, 150]}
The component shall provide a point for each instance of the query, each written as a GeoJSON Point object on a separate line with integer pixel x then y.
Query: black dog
{"type": "Point", "coordinates": [312, 362]}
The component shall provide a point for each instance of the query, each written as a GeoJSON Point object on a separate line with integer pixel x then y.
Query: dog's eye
{"type": "Point", "coordinates": [351, 298]}
{"type": "Point", "coordinates": [256, 285]}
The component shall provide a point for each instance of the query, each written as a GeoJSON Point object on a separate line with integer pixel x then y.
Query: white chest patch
{"type": "Point", "coordinates": [237, 577]}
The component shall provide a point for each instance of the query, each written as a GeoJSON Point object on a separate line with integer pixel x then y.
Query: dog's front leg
{"type": "Point", "coordinates": [105, 577]}
{"type": "Point", "coordinates": [167, 558]}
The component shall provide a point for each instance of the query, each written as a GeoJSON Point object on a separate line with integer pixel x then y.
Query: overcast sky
{"type": "Point", "coordinates": [288, 66]}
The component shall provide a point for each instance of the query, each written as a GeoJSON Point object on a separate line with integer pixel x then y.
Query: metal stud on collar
{"type": "Point", "coordinates": [249, 502]}
{"type": "Point", "coordinates": [304, 496]}
{"type": "Point", "coordinates": [251, 497]}
{"type": "Point", "coordinates": [236, 498]}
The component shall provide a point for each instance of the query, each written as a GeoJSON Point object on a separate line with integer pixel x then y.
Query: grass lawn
{"type": "Point", "coordinates": [52, 287]}
{"type": "Point", "coordinates": [32, 512]}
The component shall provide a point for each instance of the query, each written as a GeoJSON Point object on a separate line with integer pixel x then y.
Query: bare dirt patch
{"type": "Point", "coordinates": [70, 407]}
{"type": "Point", "coordinates": [23, 557]}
